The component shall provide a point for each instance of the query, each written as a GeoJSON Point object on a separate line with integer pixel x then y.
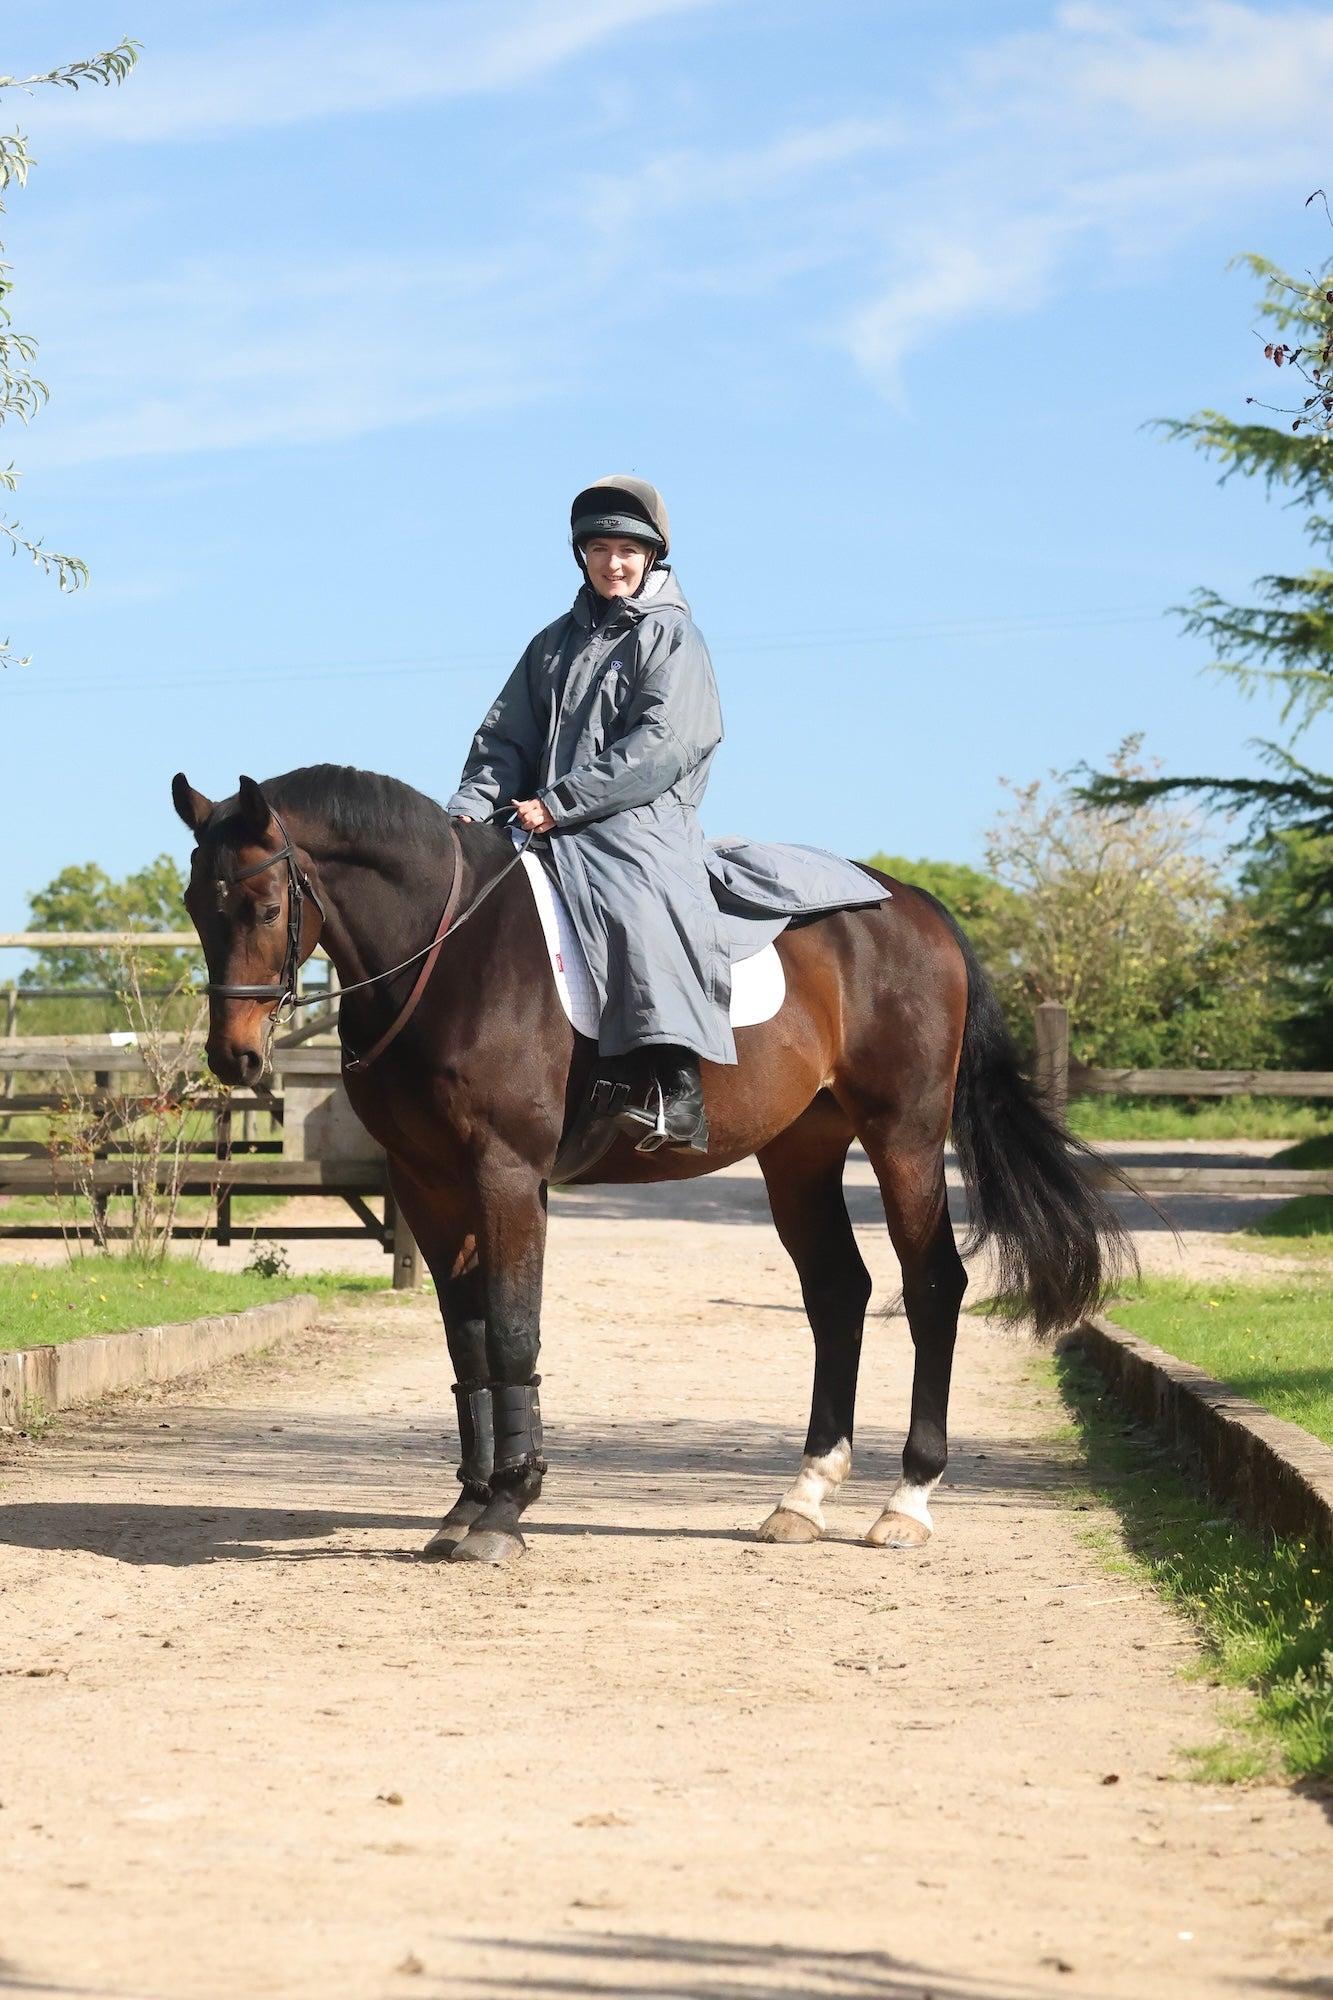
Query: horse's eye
{"type": "Point", "coordinates": [270, 913]}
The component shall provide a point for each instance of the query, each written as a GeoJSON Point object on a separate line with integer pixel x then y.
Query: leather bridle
{"type": "Point", "coordinates": [299, 887]}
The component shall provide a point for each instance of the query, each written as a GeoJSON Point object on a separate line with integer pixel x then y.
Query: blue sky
{"type": "Point", "coordinates": [339, 305]}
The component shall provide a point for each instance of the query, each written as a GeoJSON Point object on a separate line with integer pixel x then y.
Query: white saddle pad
{"type": "Point", "coordinates": [758, 984]}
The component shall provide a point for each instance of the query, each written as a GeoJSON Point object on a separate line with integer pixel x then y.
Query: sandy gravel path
{"type": "Point", "coordinates": [250, 1747]}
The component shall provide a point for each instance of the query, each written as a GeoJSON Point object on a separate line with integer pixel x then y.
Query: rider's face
{"type": "Point", "coordinates": [615, 565]}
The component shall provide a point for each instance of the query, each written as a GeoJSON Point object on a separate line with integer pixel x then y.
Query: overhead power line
{"type": "Point", "coordinates": [280, 674]}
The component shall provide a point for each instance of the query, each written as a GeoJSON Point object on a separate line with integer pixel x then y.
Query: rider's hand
{"type": "Point", "coordinates": [464, 819]}
{"type": "Point", "coordinates": [532, 815]}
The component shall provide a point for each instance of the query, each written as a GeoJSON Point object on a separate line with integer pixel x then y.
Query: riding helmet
{"type": "Point", "coordinates": [620, 505]}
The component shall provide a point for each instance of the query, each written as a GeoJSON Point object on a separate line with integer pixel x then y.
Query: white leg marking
{"type": "Point", "coordinates": [816, 1480]}
{"type": "Point", "coordinates": [914, 1501]}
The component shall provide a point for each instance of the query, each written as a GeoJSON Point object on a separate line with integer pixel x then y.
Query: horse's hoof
{"type": "Point", "coordinates": [782, 1526]}
{"type": "Point", "coordinates": [488, 1545]}
{"type": "Point", "coordinates": [898, 1531]}
{"type": "Point", "coordinates": [452, 1529]}
{"type": "Point", "coordinates": [444, 1541]}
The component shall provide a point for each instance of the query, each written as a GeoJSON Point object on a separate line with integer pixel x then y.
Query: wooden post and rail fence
{"type": "Point", "coordinates": [323, 1149]}
{"type": "Point", "coordinates": [1059, 1077]}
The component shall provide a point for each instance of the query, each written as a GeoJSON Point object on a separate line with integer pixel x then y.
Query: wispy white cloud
{"type": "Point", "coordinates": [692, 178]}
{"type": "Point", "coordinates": [1074, 155]}
{"type": "Point", "coordinates": [1108, 137]}
{"type": "Point", "coordinates": [1214, 65]}
{"type": "Point", "coordinates": [347, 60]}
{"type": "Point", "coordinates": [219, 355]}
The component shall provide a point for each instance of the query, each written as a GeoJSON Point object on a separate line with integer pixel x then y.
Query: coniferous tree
{"type": "Point", "coordinates": [1283, 642]}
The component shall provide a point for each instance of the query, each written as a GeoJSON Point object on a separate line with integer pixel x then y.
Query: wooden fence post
{"type": "Point", "coordinates": [1052, 1067]}
{"type": "Point", "coordinates": [222, 1153]}
{"type": "Point", "coordinates": [409, 1266]}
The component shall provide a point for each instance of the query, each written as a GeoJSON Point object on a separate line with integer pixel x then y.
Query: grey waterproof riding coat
{"type": "Point", "coordinates": [613, 725]}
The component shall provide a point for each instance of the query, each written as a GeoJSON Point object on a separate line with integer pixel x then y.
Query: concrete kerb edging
{"type": "Point", "coordinates": [1277, 1475]}
{"type": "Point", "coordinates": [78, 1371]}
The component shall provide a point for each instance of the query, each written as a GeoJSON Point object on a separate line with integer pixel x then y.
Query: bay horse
{"type": "Point", "coordinates": [460, 1062]}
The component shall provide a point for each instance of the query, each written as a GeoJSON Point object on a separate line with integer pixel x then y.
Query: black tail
{"type": "Point", "coordinates": [1058, 1244]}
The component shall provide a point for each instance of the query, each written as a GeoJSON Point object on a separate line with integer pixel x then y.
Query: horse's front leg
{"type": "Point", "coordinates": [510, 1246]}
{"type": "Point", "coordinates": [440, 1219]}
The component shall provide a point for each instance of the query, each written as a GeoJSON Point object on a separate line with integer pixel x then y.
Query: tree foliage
{"type": "Point", "coordinates": [1284, 642]}
{"type": "Point", "coordinates": [84, 898]}
{"type": "Point", "coordinates": [1284, 880]}
{"type": "Point", "coordinates": [1122, 918]}
{"type": "Point", "coordinates": [22, 393]}
{"type": "Point", "coordinates": [983, 906]}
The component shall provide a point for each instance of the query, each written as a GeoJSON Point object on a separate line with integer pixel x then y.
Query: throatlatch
{"type": "Point", "coordinates": [476, 1434]}
{"type": "Point", "coordinates": [518, 1431]}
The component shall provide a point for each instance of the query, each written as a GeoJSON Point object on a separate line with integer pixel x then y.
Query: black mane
{"type": "Point", "coordinates": [354, 805]}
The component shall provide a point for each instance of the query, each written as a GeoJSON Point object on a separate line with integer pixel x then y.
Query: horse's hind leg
{"type": "Point", "coordinates": [803, 1173]}
{"type": "Point", "coordinates": [916, 1206]}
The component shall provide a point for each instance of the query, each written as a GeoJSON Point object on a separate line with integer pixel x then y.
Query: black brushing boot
{"type": "Point", "coordinates": [516, 1478]}
{"type": "Point", "coordinates": [476, 1434]}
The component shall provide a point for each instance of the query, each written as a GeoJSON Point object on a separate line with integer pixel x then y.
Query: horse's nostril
{"type": "Point", "coordinates": [236, 1065]}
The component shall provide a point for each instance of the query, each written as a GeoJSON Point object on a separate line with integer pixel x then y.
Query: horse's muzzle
{"type": "Point", "coordinates": [235, 1062]}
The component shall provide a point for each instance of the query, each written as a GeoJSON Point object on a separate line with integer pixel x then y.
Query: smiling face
{"type": "Point", "coordinates": [615, 564]}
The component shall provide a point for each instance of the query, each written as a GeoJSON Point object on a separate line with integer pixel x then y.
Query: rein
{"type": "Point", "coordinates": [299, 886]}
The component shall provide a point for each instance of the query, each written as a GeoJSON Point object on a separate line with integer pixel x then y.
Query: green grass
{"type": "Point", "coordinates": [1263, 1612]}
{"type": "Point", "coordinates": [193, 1208]}
{"type": "Point", "coordinates": [1303, 1228]}
{"type": "Point", "coordinates": [44, 1303]}
{"type": "Point", "coordinates": [1271, 1341]}
{"type": "Point", "coordinates": [1200, 1118]}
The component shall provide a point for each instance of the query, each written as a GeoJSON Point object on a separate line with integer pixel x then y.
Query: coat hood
{"type": "Point", "coordinates": [660, 592]}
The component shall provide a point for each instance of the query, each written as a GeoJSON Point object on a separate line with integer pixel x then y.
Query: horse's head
{"type": "Point", "coordinates": [257, 917]}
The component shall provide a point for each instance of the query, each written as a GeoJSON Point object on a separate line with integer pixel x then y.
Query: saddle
{"type": "Point", "coordinates": [758, 983]}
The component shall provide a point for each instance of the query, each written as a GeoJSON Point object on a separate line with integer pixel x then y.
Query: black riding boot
{"type": "Point", "coordinates": [667, 1111]}
{"type": "Point", "coordinates": [676, 1114]}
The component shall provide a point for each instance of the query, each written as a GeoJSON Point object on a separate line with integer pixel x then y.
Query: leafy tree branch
{"type": "Point", "coordinates": [22, 393]}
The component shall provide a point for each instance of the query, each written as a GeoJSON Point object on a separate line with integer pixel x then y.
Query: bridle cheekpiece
{"type": "Point", "coordinates": [298, 888]}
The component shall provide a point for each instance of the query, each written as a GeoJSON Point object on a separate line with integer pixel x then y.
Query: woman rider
{"type": "Point", "coordinates": [602, 738]}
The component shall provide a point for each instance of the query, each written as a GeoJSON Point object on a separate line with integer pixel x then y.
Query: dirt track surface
{"type": "Point", "coordinates": [252, 1747]}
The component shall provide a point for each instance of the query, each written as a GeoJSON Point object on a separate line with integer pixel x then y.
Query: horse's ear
{"type": "Point", "coordinates": [256, 814]}
{"type": "Point", "coordinates": [192, 806]}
